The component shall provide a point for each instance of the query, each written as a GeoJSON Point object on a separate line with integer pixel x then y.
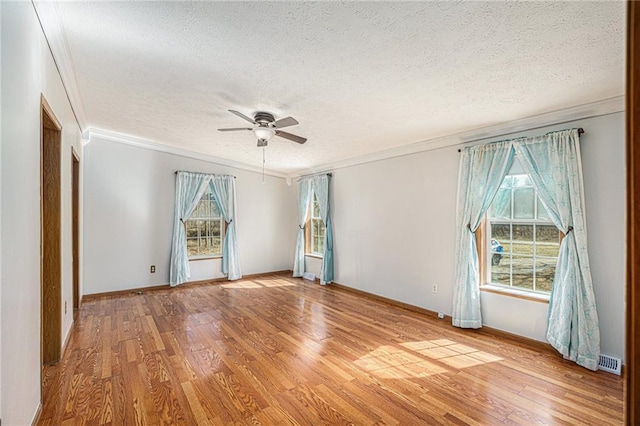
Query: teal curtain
{"type": "Point", "coordinates": [304, 194]}
{"type": "Point", "coordinates": [482, 169]}
{"type": "Point", "coordinates": [320, 185]}
{"type": "Point", "coordinates": [553, 162]}
{"type": "Point", "coordinates": [223, 189]}
{"type": "Point", "coordinates": [189, 190]}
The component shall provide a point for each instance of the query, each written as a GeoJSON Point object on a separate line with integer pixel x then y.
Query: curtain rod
{"type": "Point", "coordinates": [200, 173]}
{"type": "Point", "coordinates": [317, 174]}
{"type": "Point", "coordinates": [580, 132]}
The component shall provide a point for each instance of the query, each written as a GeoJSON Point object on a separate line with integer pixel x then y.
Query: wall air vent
{"type": "Point", "coordinates": [610, 364]}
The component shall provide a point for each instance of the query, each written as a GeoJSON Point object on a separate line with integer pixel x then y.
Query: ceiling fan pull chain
{"type": "Point", "coordinates": [263, 161]}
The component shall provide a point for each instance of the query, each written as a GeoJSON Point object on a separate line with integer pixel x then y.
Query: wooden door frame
{"type": "Point", "coordinates": [75, 225]}
{"type": "Point", "coordinates": [633, 215]}
{"type": "Point", "coordinates": [50, 235]}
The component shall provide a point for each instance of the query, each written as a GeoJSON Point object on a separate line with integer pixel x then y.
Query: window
{"type": "Point", "coordinates": [314, 230]}
{"type": "Point", "coordinates": [205, 228]}
{"type": "Point", "coordinates": [524, 244]}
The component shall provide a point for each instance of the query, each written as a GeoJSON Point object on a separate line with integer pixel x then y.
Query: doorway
{"type": "Point", "coordinates": [50, 235]}
{"type": "Point", "coordinates": [75, 225]}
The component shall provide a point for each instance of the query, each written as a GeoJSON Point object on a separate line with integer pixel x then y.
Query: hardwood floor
{"type": "Point", "coordinates": [275, 350]}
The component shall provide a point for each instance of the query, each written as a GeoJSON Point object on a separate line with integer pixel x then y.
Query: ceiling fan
{"type": "Point", "coordinates": [267, 126]}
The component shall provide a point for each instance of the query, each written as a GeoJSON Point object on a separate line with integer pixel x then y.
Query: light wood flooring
{"type": "Point", "coordinates": [274, 350]}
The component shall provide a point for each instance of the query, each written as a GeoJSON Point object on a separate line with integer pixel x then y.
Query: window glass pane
{"type": "Point", "coordinates": [215, 228]}
{"type": "Point", "coordinates": [498, 278]}
{"type": "Point", "coordinates": [501, 206]}
{"type": "Point", "coordinates": [201, 228]}
{"type": "Point", "coordinates": [501, 231]}
{"type": "Point", "coordinates": [518, 181]}
{"type": "Point", "coordinates": [192, 246]}
{"type": "Point", "coordinates": [192, 229]}
{"type": "Point", "coordinates": [216, 245]}
{"type": "Point", "coordinates": [523, 233]}
{"type": "Point", "coordinates": [215, 211]}
{"type": "Point", "coordinates": [205, 209]}
{"type": "Point", "coordinates": [522, 272]}
{"type": "Point", "coordinates": [316, 208]}
{"type": "Point", "coordinates": [523, 199]}
{"type": "Point", "coordinates": [548, 250]}
{"type": "Point", "coordinates": [547, 234]}
{"type": "Point", "coordinates": [542, 211]}
{"type": "Point", "coordinates": [545, 271]}
{"type": "Point", "coordinates": [520, 248]}
{"type": "Point", "coordinates": [203, 248]}
{"type": "Point", "coordinates": [506, 183]}
{"type": "Point", "coordinates": [500, 263]}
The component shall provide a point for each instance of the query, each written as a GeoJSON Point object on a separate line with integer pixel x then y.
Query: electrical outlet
{"type": "Point", "coordinates": [153, 269]}
{"type": "Point", "coordinates": [65, 306]}
{"type": "Point", "coordinates": [441, 315]}
{"type": "Point", "coordinates": [434, 289]}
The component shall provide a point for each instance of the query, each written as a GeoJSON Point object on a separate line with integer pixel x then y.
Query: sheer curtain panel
{"type": "Point", "coordinates": [223, 189]}
{"type": "Point", "coordinates": [189, 190]}
{"type": "Point", "coordinates": [553, 162]}
{"type": "Point", "coordinates": [320, 185]}
{"type": "Point", "coordinates": [482, 169]}
{"type": "Point", "coordinates": [304, 194]}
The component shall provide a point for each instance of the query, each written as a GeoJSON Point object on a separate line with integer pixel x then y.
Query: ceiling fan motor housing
{"type": "Point", "coordinates": [264, 118]}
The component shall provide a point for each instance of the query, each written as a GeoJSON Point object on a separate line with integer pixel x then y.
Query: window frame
{"type": "Point", "coordinates": [483, 244]}
{"type": "Point", "coordinates": [223, 230]}
{"type": "Point", "coordinates": [308, 229]}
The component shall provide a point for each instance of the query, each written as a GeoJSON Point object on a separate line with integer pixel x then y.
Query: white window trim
{"type": "Point", "coordinates": [510, 288]}
{"type": "Point", "coordinates": [311, 237]}
{"type": "Point", "coordinates": [222, 234]}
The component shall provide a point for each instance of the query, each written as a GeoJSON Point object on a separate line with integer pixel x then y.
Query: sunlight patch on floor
{"type": "Point", "coordinates": [276, 283]}
{"type": "Point", "coordinates": [422, 359]}
{"type": "Point", "coordinates": [243, 284]}
{"type": "Point", "coordinates": [258, 284]}
{"type": "Point", "coordinates": [389, 362]}
{"type": "Point", "coordinates": [451, 353]}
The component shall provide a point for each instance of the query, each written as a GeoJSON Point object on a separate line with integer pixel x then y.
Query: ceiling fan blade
{"type": "Point", "coordinates": [291, 137]}
{"type": "Point", "coordinates": [285, 122]}
{"type": "Point", "coordinates": [241, 115]}
{"type": "Point", "coordinates": [234, 129]}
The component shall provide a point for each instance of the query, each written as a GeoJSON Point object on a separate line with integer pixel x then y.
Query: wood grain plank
{"type": "Point", "coordinates": [278, 350]}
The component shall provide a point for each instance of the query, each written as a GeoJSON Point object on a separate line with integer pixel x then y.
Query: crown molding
{"type": "Point", "coordinates": [580, 112]}
{"type": "Point", "coordinates": [47, 12]}
{"type": "Point", "coordinates": [167, 149]}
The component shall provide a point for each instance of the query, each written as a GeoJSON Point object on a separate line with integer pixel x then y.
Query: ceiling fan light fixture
{"type": "Point", "coordinates": [264, 133]}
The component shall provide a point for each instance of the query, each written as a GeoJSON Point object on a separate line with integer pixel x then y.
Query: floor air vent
{"type": "Point", "coordinates": [610, 364]}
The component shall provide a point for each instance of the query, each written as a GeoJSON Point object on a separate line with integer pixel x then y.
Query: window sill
{"type": "Point", "coordinates": [315, 256]}
{"type": "Point", "coordinates": [520, 294]}
{"type": "Point", "coordinates": [216, 256]}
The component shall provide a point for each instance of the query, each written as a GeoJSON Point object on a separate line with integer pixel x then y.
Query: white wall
{"type": "Point", "coordinates": [394, 226]}
{"type": "Point", "coordinates": [27, 71]}
{"type": "Point", "coordinates": [128, 217]}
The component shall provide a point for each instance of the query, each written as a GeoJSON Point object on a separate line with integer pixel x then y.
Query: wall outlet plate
{"type": "Point", "coordinates": [153, 269]}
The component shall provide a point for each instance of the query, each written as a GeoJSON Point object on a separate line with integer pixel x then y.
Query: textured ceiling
{"type": "Point", "coordinates": [360, 77]}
